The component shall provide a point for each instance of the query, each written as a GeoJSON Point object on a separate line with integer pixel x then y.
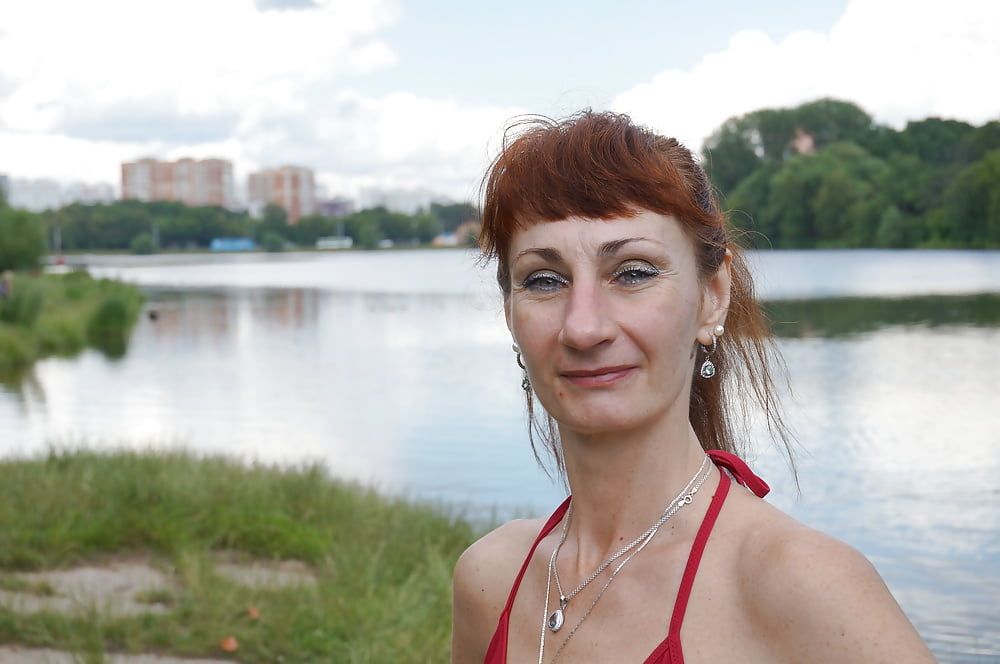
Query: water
{"type": "Point", "coordinates": [394, 368]}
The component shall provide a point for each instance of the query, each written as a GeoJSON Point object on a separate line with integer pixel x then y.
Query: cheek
{"type": "Point", "coordinates": [533, 325]}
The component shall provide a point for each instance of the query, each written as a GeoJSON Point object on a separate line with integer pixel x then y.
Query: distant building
{"type": "Point", "coordinates": [232, 244]}
{"type": "Point", "coordinates": [468, 233]}
{"type": "Point", "coordinates": [407, 201]}
{"type": "Point", "coordinates": [334, 242]}
{"type": "Point", "coordinates": [291, 187]}
{"type": "Point", "coordinates": [45, 194]}
{"type": "Point", "coordinates": [445, 240]}
{"type": "Point", "coordinates": [189, 181]}
{"type": "Point", "coordinates": [336, 207]}
{"type": "Point", "coordinates": [803, 142]}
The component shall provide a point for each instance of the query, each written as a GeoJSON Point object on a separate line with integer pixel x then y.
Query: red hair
{"type": "Point", "coordinates": [600, 166]}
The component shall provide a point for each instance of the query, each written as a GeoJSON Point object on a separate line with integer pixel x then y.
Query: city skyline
{"type": "Point", "coordinates": [396, 96]}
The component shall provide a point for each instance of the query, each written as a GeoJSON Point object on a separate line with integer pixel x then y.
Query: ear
{"type": "Point", "coordinates": [715, 302]}
{"type": "Point", "coordinates": [506, 313]}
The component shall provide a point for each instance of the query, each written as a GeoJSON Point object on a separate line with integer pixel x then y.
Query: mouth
{"type": "Point", "coordinates": [601, 377]}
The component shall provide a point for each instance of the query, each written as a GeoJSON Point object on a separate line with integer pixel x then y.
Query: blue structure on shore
{"type": "Point", "coordinates": [233, 244]}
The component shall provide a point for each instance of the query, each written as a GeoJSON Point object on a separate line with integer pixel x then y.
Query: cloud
{"type": "Point", "coordinates": [256, 81]}
{"type": "Point", "coordinates": [897, 59]}
{"type": "Point", "coordinates": [196, 61]}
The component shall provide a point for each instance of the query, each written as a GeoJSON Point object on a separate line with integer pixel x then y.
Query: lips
{"type": "Point", "coordinates": [600, 377]}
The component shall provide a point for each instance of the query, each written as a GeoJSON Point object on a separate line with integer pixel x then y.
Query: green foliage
{"type": "Point", "coordinates": [143, 243]}
{"type": "Point", "coordinates": [854, 183]}
{"type": "Point", "coordinates": [133, 225]}
{"type": "Point", "coordinates": [382, 565]}
{"type": "Point", "coordinates": [273, 242]}
{"type": "Point", "coordinates": [453, 215]}
{"type": "Point", "coordinates": [61, 315]}
{"type": "Point", "coordinates": [22, 306]}
{"type": "Point", "coordinates": [16, 350]}
{"type": "Point", "coordinates": [22, 240]}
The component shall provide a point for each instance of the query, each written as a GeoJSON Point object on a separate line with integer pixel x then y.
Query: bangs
{"type": "Point", "coordinates": [590, 165]}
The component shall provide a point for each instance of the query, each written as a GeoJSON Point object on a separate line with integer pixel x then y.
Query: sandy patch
{"type": "Point", "coordinates": [15, 655]}
{"type": "Point", "coordinates": [117, 588]}
{"type": "Point", "coordinates": [264, 574]}
{"type": "Point", "coordinates": [112, 588]}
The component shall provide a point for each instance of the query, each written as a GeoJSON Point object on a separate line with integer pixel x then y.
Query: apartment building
{"type": "Point", "coordinates": [291, 187]}
{"type": "Point", "coordinates": [189, 181]}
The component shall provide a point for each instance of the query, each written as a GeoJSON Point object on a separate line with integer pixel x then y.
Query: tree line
{"type": "Point", "coordinates": [170, 226]}
{"type": "Point", "coordinates": [825, 174]}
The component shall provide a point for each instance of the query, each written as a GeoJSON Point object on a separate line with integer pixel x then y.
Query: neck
{"type": "Point", "coordinates": [622, 481]}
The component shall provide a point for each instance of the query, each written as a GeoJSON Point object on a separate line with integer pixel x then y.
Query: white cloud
{"type": "Point", "coordinates": [898, 59]}
{"type": "Point", "coordinates": [259, 83]}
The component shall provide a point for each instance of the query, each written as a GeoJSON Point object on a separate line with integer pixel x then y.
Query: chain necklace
{"type": "Point", "coordinates": [557, 618]}
{"type": "Point", "coordinates": [684, 498]}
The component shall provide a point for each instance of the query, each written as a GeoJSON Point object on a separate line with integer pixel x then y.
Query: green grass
{"type": "Point", "coordinates": [60, 315]}
{"type": "Point", "coordinates": [383, 565]}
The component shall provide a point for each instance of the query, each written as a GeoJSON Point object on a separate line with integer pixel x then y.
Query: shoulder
{"type": "Point", "coordinates": [482, 580]}
{"type": "Point", "coordinates": [817, 599]}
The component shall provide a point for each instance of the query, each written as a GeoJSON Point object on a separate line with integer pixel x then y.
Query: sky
{"type": "Point", "coordinates": [415, 94]}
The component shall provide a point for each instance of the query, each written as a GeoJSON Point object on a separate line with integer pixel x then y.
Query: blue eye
{"type": "Point", "coordinates": [544, 282]}
{"type": "Point", "coordinates": [634, 274]}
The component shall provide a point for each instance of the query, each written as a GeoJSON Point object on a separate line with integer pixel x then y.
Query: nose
{"type": "Point", "coordinates": [587, 320]}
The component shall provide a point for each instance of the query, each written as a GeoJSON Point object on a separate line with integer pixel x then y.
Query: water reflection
{"type": "Point", "coordinates": [839, 316]}
{"type": "Point", "coordinates": [895, 405]}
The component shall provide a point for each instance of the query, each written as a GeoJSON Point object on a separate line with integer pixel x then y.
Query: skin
{"type": "Point", "coordinates": [624, 294]}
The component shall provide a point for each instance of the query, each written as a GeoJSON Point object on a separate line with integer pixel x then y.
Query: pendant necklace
{"type": "Point", "coordinates": [554, 622]}
{"type": "Point", "coordinates": [558, 617]}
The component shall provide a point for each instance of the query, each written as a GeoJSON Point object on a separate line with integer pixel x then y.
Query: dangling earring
{"type": "Point", "coordinates": [525, 383]}
{"type": "Point", "coordinates": [708, 367]}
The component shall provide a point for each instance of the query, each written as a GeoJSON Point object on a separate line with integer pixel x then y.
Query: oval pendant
{"type": "Point", "coordinates": [556, 620]}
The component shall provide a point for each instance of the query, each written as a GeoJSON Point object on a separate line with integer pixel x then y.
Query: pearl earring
{"type": "Point", "coordinates": [708, 367]}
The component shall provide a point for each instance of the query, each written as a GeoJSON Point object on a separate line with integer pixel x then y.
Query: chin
{"type": "Point", "coordinates": [601, 418]}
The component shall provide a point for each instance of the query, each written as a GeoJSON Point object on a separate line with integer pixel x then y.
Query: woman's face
{"type": "Point", "coordinates": [607, 314]}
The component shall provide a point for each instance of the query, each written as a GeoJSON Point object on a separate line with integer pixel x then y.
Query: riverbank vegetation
{"type": "Point", "coordinates": [163, 226]}
{"type": "Point", "coordinates": [382, 566]}
{"type": "Point", "coordinates": [825, 174]}
{"type": "Point", "coordinates": [61, 315]}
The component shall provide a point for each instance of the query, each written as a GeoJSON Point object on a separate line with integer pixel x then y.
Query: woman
{"type": "Point", "coordinates": [632, 314]}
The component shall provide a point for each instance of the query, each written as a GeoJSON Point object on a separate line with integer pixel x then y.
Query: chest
{"type": "Point", "coordinates": [632, 616]}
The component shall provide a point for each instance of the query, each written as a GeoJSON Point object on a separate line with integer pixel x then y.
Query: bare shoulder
{"type": "Point", "coordinates": [817, 599]}
{"type": "Point", "coordinates": [482, 580]}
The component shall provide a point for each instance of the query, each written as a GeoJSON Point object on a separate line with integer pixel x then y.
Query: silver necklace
{"type": "Point", "coordinates": [684, 498]}
{"type": "Point", "coordinates": [557, 619]}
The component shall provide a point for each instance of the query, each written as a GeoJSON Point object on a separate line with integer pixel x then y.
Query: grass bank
{"type": "Point", "coordinates": [61, 314]}
{"type": "Point", "coordinates": [382, 566]}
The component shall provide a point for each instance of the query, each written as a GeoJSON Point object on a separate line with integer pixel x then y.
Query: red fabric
{"type": "Point", "coordinates": [669, 650]}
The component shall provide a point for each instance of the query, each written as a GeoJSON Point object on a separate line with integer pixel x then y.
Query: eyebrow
{"type": "Point", "coordinates": [605, 250]}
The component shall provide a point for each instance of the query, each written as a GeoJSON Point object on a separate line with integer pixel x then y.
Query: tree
{"type": "Point", "coordinates": [453, 214]}
{"type": "Point", "coordinates": [427, 227]}
{"type": "Point", "coordinates": [143, 244]}
{"type": "Point", "coordinates": [972, 204]}
{"type": "Point", "coordinates": [22, 240]}
{"type": "Point", "coordinates": [273, 242]}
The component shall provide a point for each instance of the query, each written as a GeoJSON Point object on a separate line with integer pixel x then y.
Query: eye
{"type": "Point", "coordinates": [634, 273]}
{"type": "Point", "coordinates": [543, 281]}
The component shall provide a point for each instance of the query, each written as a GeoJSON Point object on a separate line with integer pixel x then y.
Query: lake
{"type": "Point", "coordinates": [394, 368]}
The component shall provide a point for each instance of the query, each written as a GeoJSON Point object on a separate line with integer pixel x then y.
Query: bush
{"type": "Point", "coordinates": [273, 242]}
{"type": "Point", "coordinates": [15, 350]}
{"type": "Point", "coordinates": [60, 335]}
{"type": "Point", "coordinates": [22, 240]}
{"type": "Point", "coordinates": [143, 244]}
{"type": "Point", "coordinates": [23, 305]}
{"type": "Point", "coordinates": [111, 322]}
